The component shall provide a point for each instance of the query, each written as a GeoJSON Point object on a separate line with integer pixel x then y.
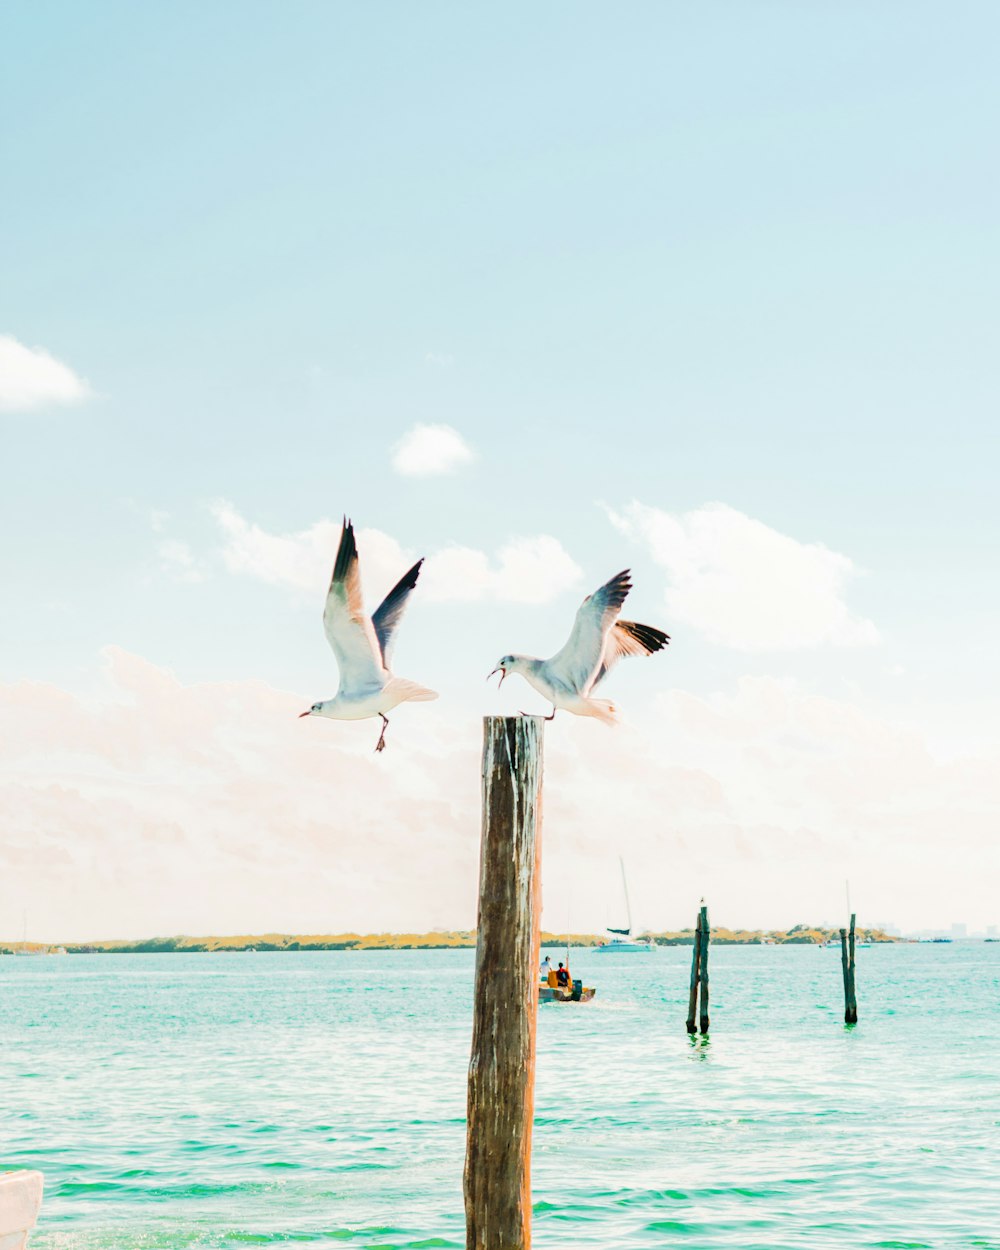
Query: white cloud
{"type": "Point", "coordinates": [282, 559]}
{"type": "Point", "coordinates": [525, 570]}
{"type": "Point", "coordinates": [745, 585]}
{"type": "Point", "coordinates": [431, 449]}
{"type": "Point", "coordinates": [32, 378]}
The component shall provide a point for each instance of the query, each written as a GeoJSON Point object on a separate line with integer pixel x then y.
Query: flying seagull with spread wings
{"type": "Point", "coordinates": [600, 638]}
{"type": "Point", "coordinates": [363, 644]}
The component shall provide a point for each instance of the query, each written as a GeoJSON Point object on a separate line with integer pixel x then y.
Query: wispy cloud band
{"type": "Point", "coordinates": [531, 569]}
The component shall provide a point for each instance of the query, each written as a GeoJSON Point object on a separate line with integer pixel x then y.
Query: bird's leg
{"type": "Point", "coordinates": [553, 716]}
{"type": "Point", "coordinates": [380, 745]}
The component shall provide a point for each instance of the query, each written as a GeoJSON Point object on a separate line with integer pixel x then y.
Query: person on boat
{"type": "Point", "coordinates": [562, 976]}
{"type": "Point", "coordinates": [546, 968]}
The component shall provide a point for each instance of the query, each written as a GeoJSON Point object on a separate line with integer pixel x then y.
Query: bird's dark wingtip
{"type": "Point", "coordinates": [346, 552]}
{"type": "Point", "coordinates": [651, 638]}
{"type": "Point", "coordinates": [616, 590]}
{"type": "Point", "coordinates": [410, 580]}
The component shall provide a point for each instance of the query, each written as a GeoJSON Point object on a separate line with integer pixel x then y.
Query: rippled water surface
{"type": "Point", "coordinates": [318, 1099]}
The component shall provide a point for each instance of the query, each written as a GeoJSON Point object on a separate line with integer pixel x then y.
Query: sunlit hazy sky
{"type": "Point", "coordinates": [539, 293]}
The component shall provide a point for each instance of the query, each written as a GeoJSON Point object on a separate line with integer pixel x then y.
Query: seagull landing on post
{"type": "Point", "coordinates": [363, 644]}
{"type": "Point", "coordinates": [598, 641]}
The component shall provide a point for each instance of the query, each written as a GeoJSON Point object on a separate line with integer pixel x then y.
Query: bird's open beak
{"type": "Point", "coordinates": [309, 713]}
{"type": "Point", "coordinates": [503, 673]}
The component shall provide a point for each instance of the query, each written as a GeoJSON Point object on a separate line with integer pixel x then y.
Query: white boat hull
{"type": "Point", "coordinates": [20, 1202]}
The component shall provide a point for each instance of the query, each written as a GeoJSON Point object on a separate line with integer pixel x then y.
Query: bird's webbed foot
{"type": "Point", "coordinates": [380, 745]}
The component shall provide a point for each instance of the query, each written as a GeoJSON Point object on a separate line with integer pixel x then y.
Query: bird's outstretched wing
{"type": "Point", "coordinates": [628, 638]}
{"type": "Point", "coordinates": [390, 612]}
{"type": "Point", "coordinates": [579, 660]}
{"type": "Point", "coordinates": [348, 630]}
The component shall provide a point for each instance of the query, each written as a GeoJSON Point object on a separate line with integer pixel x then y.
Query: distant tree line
{"type": "Point", "coordinates": [799, 934]}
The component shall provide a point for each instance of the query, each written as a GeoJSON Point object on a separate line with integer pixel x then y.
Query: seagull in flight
{"type": "Point", "coordinates": [600, 638]}
{"type": "Point", "coordinates": [363, 644]}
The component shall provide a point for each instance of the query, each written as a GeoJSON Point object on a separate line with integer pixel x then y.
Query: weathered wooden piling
{"type": "Point", "coordinates": [847, 966]}
{"type": "Point", "coordinates": [844, 967]}
{"type": "Point", "coordinates": [695, 968]}
{"type": "Point", "coordinates": [502, 1064]}
{"type": "Point", "coordinates": [698, 992]}
{"type": "Point", "coordinates": [703, 972]}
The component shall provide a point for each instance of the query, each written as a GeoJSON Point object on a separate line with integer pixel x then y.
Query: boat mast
{"type": "Point", "coordinates": [628, 906]}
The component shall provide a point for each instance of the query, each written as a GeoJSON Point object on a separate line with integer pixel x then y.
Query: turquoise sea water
{"type": "Point", "coordinates": [318, 1099]}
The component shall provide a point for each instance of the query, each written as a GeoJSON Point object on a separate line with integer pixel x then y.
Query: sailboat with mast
{"type": "Point", "coordinates": [24, 948]}
{"type": "Point", "coordinates": [624, 941]}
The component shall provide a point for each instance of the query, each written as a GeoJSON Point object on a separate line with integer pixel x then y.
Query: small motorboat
{"type": "Point", "coordinates": [550, 991]}
{"type": "Point", "coordinates": [575, 993]}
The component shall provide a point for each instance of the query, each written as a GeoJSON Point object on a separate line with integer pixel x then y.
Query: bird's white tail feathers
{"type": "Point", "coordinates": [603, 710]}
{"type": "Point", "coordinates": [404, 691]}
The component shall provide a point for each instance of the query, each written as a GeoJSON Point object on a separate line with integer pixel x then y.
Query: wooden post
{"type": "Point", "coordinates": [851, 1006]}
{"type": "Point", "coordinates": [502, 1064]}
{"type": "Point", "coordinates": [704, 969]}
{"type": "Point", "coordinates": [845, 968]}
{"type": "Point", "coordinates": [695, 968]}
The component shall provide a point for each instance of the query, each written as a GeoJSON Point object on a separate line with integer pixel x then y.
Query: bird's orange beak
{"type": "Point", "coordinates": [309, 713]}
{"type": "Point", "coordinates": [503, 673]}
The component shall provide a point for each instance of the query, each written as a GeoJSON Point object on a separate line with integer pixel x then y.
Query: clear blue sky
{"type": "Point", "coordinates": [671, 253]}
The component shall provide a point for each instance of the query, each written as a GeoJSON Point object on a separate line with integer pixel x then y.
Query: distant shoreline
{"type": "Point", "coordinates": [800, 935]}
